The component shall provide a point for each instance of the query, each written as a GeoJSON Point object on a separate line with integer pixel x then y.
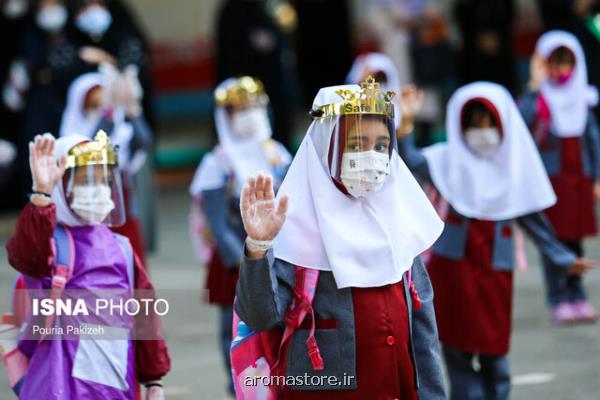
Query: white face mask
{"type": "Point", "coordinates": [252, 123]}
{"type": "Point", "coordinates": [364, 172]}
{"type": "Point", "coordinates": [52, 18]}
{"type": "Point", "coordinates": [482, 141]}
{"type": "Point", "coordinates": [93, 203]}
{"type": "Point", "coordinates": [14, 9]}
{"type": "Point", "coordinates": [95, 20]}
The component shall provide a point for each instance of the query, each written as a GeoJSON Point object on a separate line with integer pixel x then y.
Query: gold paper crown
{"type": "Point", "coordinates": [369, 99]}
{"type": "Point", "coordinates": [96, 152]}
{"type": "Point", "coordinates": [240, 91]}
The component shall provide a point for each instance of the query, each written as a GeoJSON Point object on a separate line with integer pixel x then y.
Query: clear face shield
{"type": "Point", "coordinates": [361, 143]}
{"type": "Point", "coordinates": [250, 120]}
{"type": "Point", "coordinates": [247, 107]}
{"type": "Point", "coordinates": [92, 183]}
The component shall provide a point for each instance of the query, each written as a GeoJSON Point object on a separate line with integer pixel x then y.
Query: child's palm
{"type": "Point", "coordinates": [262, 218]}
{"type": "Point", "coordinates": [45, 170]}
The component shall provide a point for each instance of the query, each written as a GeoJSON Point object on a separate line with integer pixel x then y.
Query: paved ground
{"type": "Point", "coordinates": [547, 362]}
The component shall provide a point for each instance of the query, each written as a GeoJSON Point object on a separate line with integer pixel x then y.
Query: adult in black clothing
{"type": "Point", "coordinates": [249, 42]}
{"type": "Point", "coordinates": [486, 31]}
{"type": "Point", "coordinates": [14, 17]}
{"type": "Point", "coordinates": [107, 32]}
{"type": "Point", "coordinates": [50, 61]}
{"type": "Point", "coordinates": [331, 43]}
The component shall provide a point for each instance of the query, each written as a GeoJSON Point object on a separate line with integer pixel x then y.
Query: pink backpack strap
{"type": "Point", "coordinates": [303, 297]}
{"type": "Point", "coordinates": [414, 294]}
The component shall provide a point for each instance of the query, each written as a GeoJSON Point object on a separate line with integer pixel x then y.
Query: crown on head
{"type": "Point", "coordinates": [95, 152]}
{"type": "Point", "coordinates": [369, 99]}
{"type": "Point", "coordinates": [241, 91]}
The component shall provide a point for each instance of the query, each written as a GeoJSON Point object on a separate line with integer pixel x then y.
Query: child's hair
{"type": "Point", "coordinates": [474, 112]}
{"type": "Point", "coordinates": [380, 77]}
{"type": "Point", "coordinates": [562, 55]}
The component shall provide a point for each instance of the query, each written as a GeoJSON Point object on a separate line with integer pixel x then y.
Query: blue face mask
{"type": "Point", "coordinates": [95, 20]}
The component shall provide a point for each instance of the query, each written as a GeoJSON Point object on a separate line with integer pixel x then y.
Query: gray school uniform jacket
{"type": "Point", "coordinates": [264, 293]}
{"type": "Point", "coordinates": [453, 241]}
{"type": "Point", "coordinates": [550, 145]}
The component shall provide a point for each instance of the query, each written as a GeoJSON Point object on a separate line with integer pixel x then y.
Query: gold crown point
{"type": "Point", "coordinates": [102, 138]}
{"type": "Point", "coordinates": [95, 152]}
{"type": "Point", "coordinates": [345, 94]}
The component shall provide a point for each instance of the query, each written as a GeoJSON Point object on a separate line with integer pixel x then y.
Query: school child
{"type": "Point", "coordinates": [491, 175]}
{"type": "Point", "coordinates": [76, 183]}
{"type": "Point", "coordinates": [245, 147]}
{"type": "Point", "coordinates": [111, 101]}
{"type": "Point", "coordinates": [557, 109]}
{"type": "Point", "coordinates": [348, 190]}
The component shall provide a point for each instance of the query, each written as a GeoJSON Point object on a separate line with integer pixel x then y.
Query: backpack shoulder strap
{"type": "Point", "coordinates": [305, 289]}
{"type": "Point", "coordinates": [125, 245]}
{"type": "Point", "coordinates": [63, 248]}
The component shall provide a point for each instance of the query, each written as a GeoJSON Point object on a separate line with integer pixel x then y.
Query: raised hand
{"type": "Point", "coordinates": [135, 92]}
{"type": "Point", "coordinates": [45, 170]}
{"type": "Point", "coordinates": [411, 101]}
{"type": "Point", "coordinates": [262, 218]}
{"type": "Point", "coordinates": [581, 266]}
{"type": "Point", "coordinates": [538, 71]}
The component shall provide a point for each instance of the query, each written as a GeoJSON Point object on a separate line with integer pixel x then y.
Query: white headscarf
{"type": "Point", "coordinates": [64, 215]}
{"type": "Point", "coordinates": [570, 102]}
{"type": "Point", "coordinates": [76, 122]}
{"type": "Point", "coordinates": [242, 157]}
{"type": "Point", "coordinates": [365, 242]}
{"type": "Point", "coordinates": [369, 63]}
{"type": "Point", "coordinates": [506, 184]}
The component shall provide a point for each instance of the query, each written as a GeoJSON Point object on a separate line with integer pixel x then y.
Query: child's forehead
{"type": "Point", "coordinates": [90, 171]}
{"type": "Point", "coordinates": [478, 110]}
{"type": "Point", "coordinates": [562, 54]}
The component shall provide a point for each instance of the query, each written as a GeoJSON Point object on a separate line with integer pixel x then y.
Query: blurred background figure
{"type": "Point", "coordinates": [45, 64]}
{"type": "Point", "coordinates": [577, 17]}
{"type": "Point", "coordinates": [14, 17]}
{"type": "Point", "coordinates": [250, 40]}
{"type": "Point", "coordinates": [391, 21]}
{"type": "Point", "coordinates": [245, 148]}
{"type": "Point", "coordinates": [415, 35]}
{"type": "Point", "coordinates": [105, 31]}
{"type": "Point", "coordinates": [331, 41]}
{"type": "Point", "coordinates": [111, 101]}
{"type": "Point", "coordinates": [486, 32]}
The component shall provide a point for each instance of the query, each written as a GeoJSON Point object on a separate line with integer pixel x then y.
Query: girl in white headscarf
{"type": "Point", "coordinates": [491, 175]}
{"type": "Point", "coordinates": [110, 101]}
{"type": "Point", "coordinates": [557, 109]}
{"type": "Point", "coordinates": [76, 184]}
{"type": "Point", "coordinates": [245, 148]}
{"type": "Point", "coordinates": [358, 219]}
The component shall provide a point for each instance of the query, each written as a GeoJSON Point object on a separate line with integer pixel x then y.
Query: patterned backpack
{"type": "Point", "coordinates": [256, 356]}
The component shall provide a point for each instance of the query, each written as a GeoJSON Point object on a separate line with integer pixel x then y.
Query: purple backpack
{"type": "Point", "coordinates": [63, 248]}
